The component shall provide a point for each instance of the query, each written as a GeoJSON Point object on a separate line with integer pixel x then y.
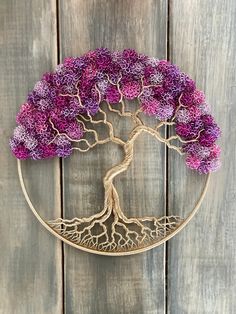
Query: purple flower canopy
{"type": "Point", "coordinates": [80, 84]}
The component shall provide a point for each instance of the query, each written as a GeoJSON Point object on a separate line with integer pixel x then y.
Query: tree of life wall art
{"type": "Point", "coordinates": [63, 112]}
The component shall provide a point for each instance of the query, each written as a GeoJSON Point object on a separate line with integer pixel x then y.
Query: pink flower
{"type": "Point", "coordinates": [193, 162]}
{"type": "Point", "coordinates": [209, 165]}
{"type": "Point", "coordinates": [112, 94]}
{"type": "Point", "coordinates": [131, 90]}
{"type": "Point", "coordinates": [183, 115]}
{"type": "Point", "coordinates": [74, 130]}
{"type": "Point", "coordinates": [150, 106]}
{"type": "Point", "coordinates": [183, 129]}
{"type": "Point", "coordinates": [187, 99]}
{"type": "Point", "coordinates": [49, 151]}
{"type": "Point", "coordinates": [215, 151]}
{"type": "Point", "coordinates": [165, 112]}
{"type": "Point", "coordinates": [21, 152]}
{"type": "Point", "coordinates": [194, 112]}
{"type": "Point", "coordinates": [198, 97]}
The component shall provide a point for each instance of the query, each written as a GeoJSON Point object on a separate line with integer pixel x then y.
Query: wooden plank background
{"type": "Point", "coordinates": [195, 272]}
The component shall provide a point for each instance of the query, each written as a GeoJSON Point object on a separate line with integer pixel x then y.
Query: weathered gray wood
{"type": "Point", "coordinates": [201, 271]}
{"type": "Point", "coordinates": [96, 284]}
{"type": "Point", "coordinates": [202, 258]}
{"type": "Point", "coordinates": [30, 259]}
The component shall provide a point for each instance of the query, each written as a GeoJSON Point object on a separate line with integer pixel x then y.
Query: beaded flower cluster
{"type": "Point", "coordinates": [80, 84]}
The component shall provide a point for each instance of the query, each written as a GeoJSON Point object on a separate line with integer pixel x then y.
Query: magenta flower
{"type": "Point", "coordinates": [131, 90]}
{"type": "Point", "coordinates": [193, 162]}
{"type": "Point", "coordinates": [112, 95]}
{"type": "Point", "coordinates": [150, 106]}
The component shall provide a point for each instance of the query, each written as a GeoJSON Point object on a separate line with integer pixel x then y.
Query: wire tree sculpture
{"type": "Point", "coordinates": [62, 114]}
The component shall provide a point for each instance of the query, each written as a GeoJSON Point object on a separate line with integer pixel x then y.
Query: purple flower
{"type": "Point", "coordinates": [64, 151]}
{"type": "Point", "coordinates": [198, 97]}
{"type": "Point", "coordinates": [74, 130]}
{"type": "Point", "coordinates": [49, 151]}
{"type": "Point", "coordinates": [164, 112]}
{"type": "Point", "coordinates": [209, 165]}
{"type": "Point", "coordinates": [21, 152]}
{"type": "Point", "coordinates": [209, 135]}
{"type": "Point", "coordinates": [150, 106]}
{"type": "Point", "coordinates": [183, 130]}
{"type": "Point", "coordinates": [112, 95]}
{"type": "Point", "coordinates": [187, 99]}
{"type": "Point", "coordinates": [131, 90]}
{"type": "Point", "coordinates": [42, 89]}
{"type": "Point", "coordinates": [130, 55]}
{"type": "Point", "coordinates": [183, 116]}
{"type": "Point", "coordinates": [91, 106]}
{"type": "Point", "coordinates": [193, 162]}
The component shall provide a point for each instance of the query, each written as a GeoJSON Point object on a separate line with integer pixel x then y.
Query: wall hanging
{"type": "Point", "coordinates": [62, 114]}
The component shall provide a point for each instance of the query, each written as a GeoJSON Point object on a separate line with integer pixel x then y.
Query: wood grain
{"type": "Point", "coordinates": [30, 259]}
{"type": "Point", "coordinates": [97, 284]}
{"type": "Point", "coordinates": [202, 258]}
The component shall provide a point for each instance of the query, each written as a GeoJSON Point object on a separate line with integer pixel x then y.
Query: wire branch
{"type": "Point", "coordinates": [83, 140]}
{"type": "Point", "coordinates": [177, 137]}
{"type": "Point", "coordinates": [122, 113]}
{"type": "Point", "coordinates": [90, 119]}
{"type": "Point", "coordinates": [58, 133]}
{"type": "Point", "coordinates": [89, 146]}
{"type": "Point", "coordinates": [74, 95]}
{"type": "Point", "coordinates": [178, 107]}
{"type": "Point", "coordinates": [164, 123]}
{"type": "Point", "coordinates": [144, 87]}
